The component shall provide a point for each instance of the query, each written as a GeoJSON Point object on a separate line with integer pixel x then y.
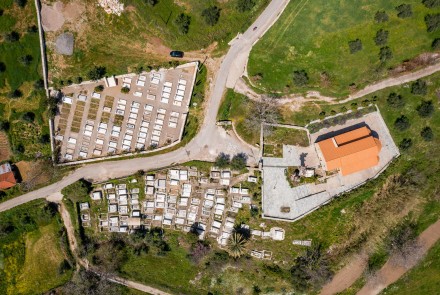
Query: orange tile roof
{"type": "Point", "coordinates": [351, 151]}
{"type": "Point", "coordinates": [7, 180]}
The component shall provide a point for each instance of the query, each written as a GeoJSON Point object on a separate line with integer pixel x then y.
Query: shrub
{"type": "Point", "coordinates": [4, 126]}
{"type": "Point", "coordinates": [419, 87]}
{"type": "Point", "coordinates": [402, 123]}
{"type": "Point", "coordinates": [20, 149]}
{"type": "Point", "coordinates": [26, 60]}
{"type": "Point", "coordinates": [12, 36]}
{"type": "Point", "coordinates": [2, 67]}
{"type": "Point", "coordinates": [182, 22]}
{"type": "Point", "coordinates": [15, 93]}
{"type": "Point", "coordinates": [381, 16]}
{"type": "Point", "coordinates": [96, 73]}
{"type": "Point", "coordinates": [405, 144]}
{"type": "Point", "coordinates": [39, 84]}
{"type": "Point", "coordinates": [427, 134]}
{"type": "Point", "coordinates": [432, 22]}
{"type": "Point", "coordinates": [239, 161]}
{"type": "Point", "coordinates": [395, 100]}
{"type": "Point", "coordinates": [404, 10]}
{"type": "Point", "coordinates": [32, 29]}
{"type": "Point", "coordinates": [99, 88]}
{"type": "Point", "coordinates": [300, 78]}
{"type": "Point", "coordinates": [245, 5]}
{"type": "Point", "coordinates": [78, 80]}
{"type": "Point", "coordinates": [425, 109]}
{"type": "Point", "coordinates": [222, 160]}
{"type": "Point", "coordinates": [355, 45]}
{"type": "Point", "coordinates": [431, 3]}
{"type": "Point", "coordinates": [151, 2]}
{"type": "Point", "coordinates": [311, 270]}
{"type": "Point", "coordinates": [199, 250]}
{"type": "Point", "coordinates": [21, 3]}
{"type": "Point", "coordinates": [125, 89]}
{"type": "Point", "coordinates": [381, 37]}
{"type": "Point", "coordinates": [211, 15]}
{"type": "Point", "coordinates": [1, 12]}
{"type": "Point", "coordinates": [29, 117]}
{"type": "Point", "coordinates": [385, 54]}
{"type": "Point", "coordinates": [436, 44]}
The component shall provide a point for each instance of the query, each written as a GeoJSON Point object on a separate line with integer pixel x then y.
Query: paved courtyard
{"type": "Point", "coordinates": [281, 201]}
{"type": "Point", "coordinates": [94, 123]}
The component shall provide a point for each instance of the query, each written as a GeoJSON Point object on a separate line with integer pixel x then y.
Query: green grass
{"type": "Point", "coordinates": [119, 42]}
{"type": "Point", "coordinates": [422, 279]}
{"type": "Point", "coordinates": [314, 35]}
{"type": "Point", "coordinates": [289, 136]}
{"type": "Point", "coordinates": [172, 271]}
{"type": "Point", "coordinates": [31, 249]}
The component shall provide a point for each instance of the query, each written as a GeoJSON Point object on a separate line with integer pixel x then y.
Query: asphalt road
{"type": "Point", "coordinates": [206, 145]}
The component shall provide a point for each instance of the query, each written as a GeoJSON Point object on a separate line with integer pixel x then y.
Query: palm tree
{"type": "Point", "coordinates": [236, 245]}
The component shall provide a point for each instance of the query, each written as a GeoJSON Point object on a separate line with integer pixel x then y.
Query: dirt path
{"type": "Point", "coordinates": [243, 88]}
{"type": "Point", "coordinates": [84, 262]}
{"type": "Point", "coordinates": [346, 276]}
{"type": "Point", "coordinates": [391, 272]}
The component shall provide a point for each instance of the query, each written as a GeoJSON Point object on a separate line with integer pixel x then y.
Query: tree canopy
{"type": "Point", "coordinates": [211, 15]}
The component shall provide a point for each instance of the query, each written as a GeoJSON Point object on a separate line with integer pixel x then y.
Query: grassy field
{"type": "Point", "coordinates": [32, 248]}
{"type": "Point", "coordinates": [26, 137]}
{"type": "Point", "coordinates": [314, 35]}
{"type": "Point", "coordinates": [422, 279]}
{"type": "Point", "coordinates": [278, 136]}
{"type": "Point", "coordinates": [142, 35]}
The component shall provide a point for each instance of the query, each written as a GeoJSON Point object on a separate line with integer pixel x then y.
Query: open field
{"type": "Point", "coordinates": [26, 138]}
{"type": "Point", "coordinates": [314, 35]}
{"type": "Point", "coordinates": [142, 36]}
{"type": "Point", "coordinates": [422, 279]}
{"type": "Point", "coordinates": [32, 250]}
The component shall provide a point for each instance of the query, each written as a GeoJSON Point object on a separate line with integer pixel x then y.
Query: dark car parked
{"type": "Point", "coordinates": [176, 53]}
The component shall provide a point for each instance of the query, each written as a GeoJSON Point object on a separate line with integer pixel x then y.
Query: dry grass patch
{"type": "Point", "coordinates": [5, 148]}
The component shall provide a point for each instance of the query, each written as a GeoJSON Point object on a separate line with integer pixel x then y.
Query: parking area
{"type": "Point", "coordinates": [124, 113]}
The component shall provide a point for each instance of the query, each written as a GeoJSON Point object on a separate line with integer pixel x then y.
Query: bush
{"type": "Point", "coordinates": [239, 161]}
{"type": "Point", "coordinates": [300, 78]}
{"type": "Point", "coordinates": [381, 16]}
{"type": "Point", "coordinates": [99, 88]}
{"type": "Point", "coordinates": [355, 46]}
{"type": "Point", "coordinates": [431, 3]}
{"type": "Point", "coordinates": [4, 126]}
{"type": "Point", "coordinates": [39, 84]}
{"type": "Point", "coordinates": [182, 22]}
{"type": "Point", "coordinates": [432, 22]}
{"type": "Point", "coordinates": [404, 11]}
{"type": "Point", "coordinates": [29, 117]}
{"type": "Point", "coordinates": [64, 267]}
{"type": "Point", "coordinates": [26, 60]}
{"type": "Point", "coordinates": [311, 270]}
{"type": "Point", "coordinates": [125, 89]}
{"type": "Point", "coordinates": [2, 67]}
{"type": "Point", "coordinates": [21, 3]}
{"type": "Point", "coordinates": [427, 134]}
{"type": "Point", "coordinates": [419, 87]}
{"type": "Point", "coordinates": [211, 15]}
{"type": "Point", "coordinates": [222, 160]}
{"type": "Point", "coordinates": [78, 80]}
{"type": "Point", "coordinates": [151, 2]}
{"type": "Point", "coordinates": [96, 73]}
{"type": "Point", "coordinates": [15, 93]}
{"type": "Point", "coordinates": [405, 144]}
{"type": "Point", "coordinates": [32, 29]}
{"type": "Point", "coordinates": [395, 100]}
{"type": "Point", "coordinates": [381, 37]}
{"type": "Point", "coordinates": [77, 191]}
{"type": "Point", "coordinates": [436, 44]}
{"type": "Point", "coordinates": [1, 12]}
{"type": "Point", "coordinates": [385, 54]}
{"type": "Point", "coordinates": [402, 123]}
{"type": "Point", "coordinates": [425, 109]}
{"type": "Point", "coordinates": [245, 5]}
{"type": "Point", "coordinates": [12, 36]}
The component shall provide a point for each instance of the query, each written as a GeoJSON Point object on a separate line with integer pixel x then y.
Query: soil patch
{"type": "Point", "coordinates": [24, 168]}
{"type": "Point", "coordinates": [5, 148]}
{"type": "Point", "coordinates": [52, 17]}
{"type": "Point", "coordinates": [73, 10]}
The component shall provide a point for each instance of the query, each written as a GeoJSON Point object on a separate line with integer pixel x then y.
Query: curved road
{"type": "Point", "coordinates": [211, 139]}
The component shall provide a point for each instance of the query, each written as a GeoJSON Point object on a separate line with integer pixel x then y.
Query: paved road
{"type": "Point", "coordinates": [210, 140]}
